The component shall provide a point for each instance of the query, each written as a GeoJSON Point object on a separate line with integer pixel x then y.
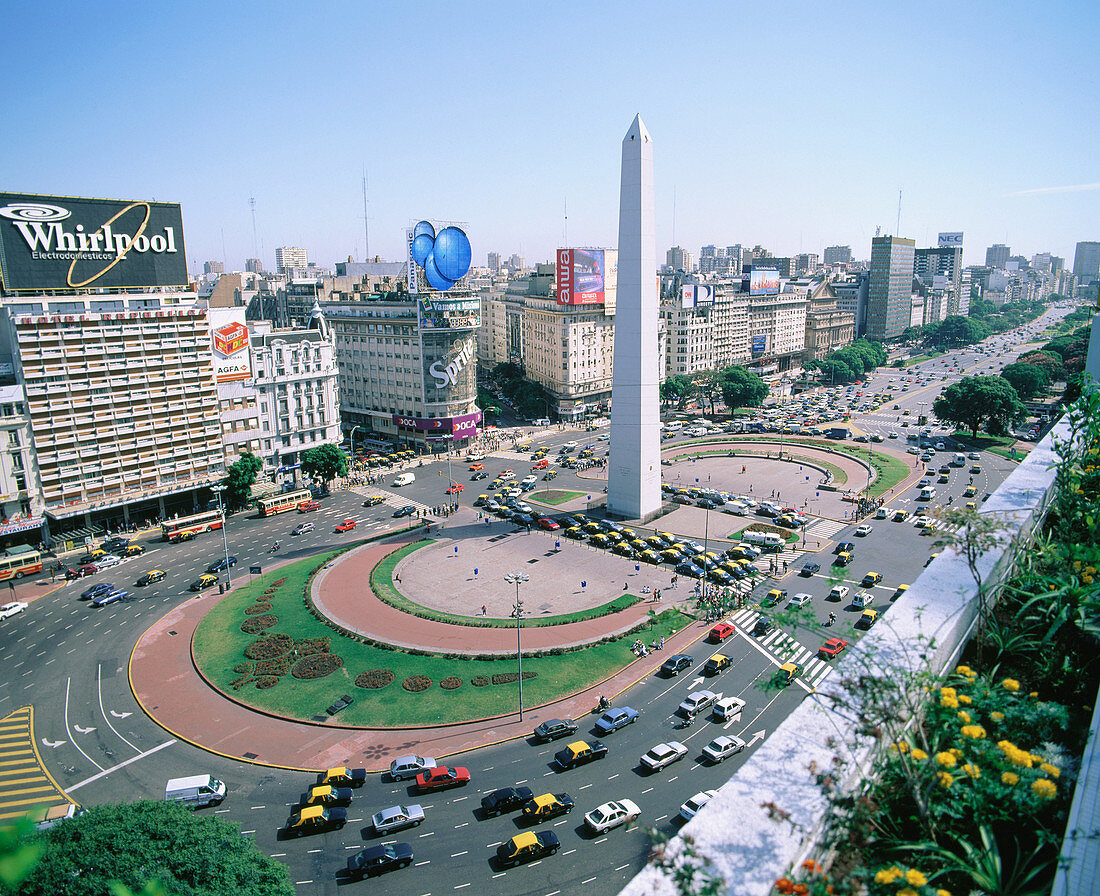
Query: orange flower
{"type": "Point", "coordinates": [784, 886]}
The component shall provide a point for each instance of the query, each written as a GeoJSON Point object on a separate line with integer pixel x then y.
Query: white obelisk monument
{"type": "Point", "coordinates": [634, 468]}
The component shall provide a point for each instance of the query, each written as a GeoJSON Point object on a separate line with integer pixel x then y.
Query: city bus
{"type": "Point", "coordinates": [273, 504]}
{"type": "Point", "coordinates": [15, 565]}
{"type": "Point", "coordinates": [189, 526]}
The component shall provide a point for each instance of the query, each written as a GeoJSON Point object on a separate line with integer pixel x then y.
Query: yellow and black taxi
{"type": "Point", "coordinates": [203, 582]}
{"type": "Point", "coordinates": [599, 540]}
{"type": "Point", "coordinates": [373, 500]}
{"type": "Point", "coordinates": [650, 556]}
{"type": "Point", "coordinates": [716, 664]}
{"type": "Point", "coordinates": [788, 672]}
{"type": "Point", "coordinates": [579, 752]}
{"type": "Point", "coordinates": [313, 819]}
{"type": "Point", "coordinates": [574, 532]}
{"type": "Point", "coordinates": [153, 575]}
{"type": "Point", "coordinates": [872, 578]}
{"type": "Point", "coordinates": [527, 846]}
{"type": "Point", "coordinates": [900, 591]}
{"type": "Point", "coordinates": [133, 550]}
{"type": "Point", "coordinates": [326, 795]}
{"type": "Point", "coordinates": [547, 806]}
{"type": "Point", "coordinates": [867, 618]}
{"type": "Point", "coordinates": [342, 776]}
{"type": "Point", "coordinates": [970, 492]}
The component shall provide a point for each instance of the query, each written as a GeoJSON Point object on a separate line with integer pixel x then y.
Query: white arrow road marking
{"type": "Point", "coordinates": [80, 730]}
{"type": "Point", "coordinates": [53, 744]}
{"type": "Point", "coordinates": [759, 735]}
{"type": "Point", "coordinates": [696, 682]}
{"type": "Point", "coordinates": [121, 715]}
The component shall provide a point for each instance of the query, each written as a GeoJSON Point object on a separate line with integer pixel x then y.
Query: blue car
{"type": "Point", "coordinates": [110, 597]}
{"type": "Point", "coordinates": [689, 569]}
{"type": "Point", "coordinates": [96, 590]}
{"type": "Point", "coordinates": [219, 565]}
{"type": "Point", "coordinates": [615, 718]}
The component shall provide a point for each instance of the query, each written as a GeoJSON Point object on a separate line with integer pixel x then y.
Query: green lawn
{"type": "Point", "coordinates": [556, 496]}
{"type": "Point", "coordinates": [219, 646]}
{"type": "Point", "coordinates": [381, 580]}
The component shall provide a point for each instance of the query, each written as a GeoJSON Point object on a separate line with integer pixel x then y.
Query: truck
{"type": "Point", "coordinates": [767, 540]}
{"type": "Point", "coordinates": [195, 791]}
{"type": "Point", "coordinates": [403, 479]}
{"type": "Point", "coordinates": [837, 432]}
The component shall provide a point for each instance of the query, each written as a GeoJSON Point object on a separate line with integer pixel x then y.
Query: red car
{"type": "Point", "coordinates": [455, 488]}
{"type": "Point", "coordinates": [442, 777]}
{"type": "Point", "coordinates": [548, 524]}
{"type": "Point", "coordinates": [832, 647]}
{"type": "Point", "coordinates": [721, 631]}
{"type": "Point", "coordinates": [346, 526]}
{"type": "Point", "coordinates": [307, 506]}
{"type": "Point", "coordinates": [475, 467]}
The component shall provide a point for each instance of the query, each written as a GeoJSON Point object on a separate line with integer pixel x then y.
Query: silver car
{"type": "Point", "coordinates": [397, 817]}
{"type": "Point", "coordinates": [723, 747]}
{"type": "Point", "coordinates": [410, 766]}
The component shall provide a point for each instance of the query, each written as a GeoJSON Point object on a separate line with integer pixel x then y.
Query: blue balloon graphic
{"type": "Point", "coordinates": [424, 227]}
{"type": "Point", "coordinates": [421, 248]}
{"type": "Point", "coordinates": [435, 279]}
{"type": "Point", "coordinates": [452, 253]}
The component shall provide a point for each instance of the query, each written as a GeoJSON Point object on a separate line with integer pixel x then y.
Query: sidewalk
{"type": "Point", "coordinates": [171, 692]}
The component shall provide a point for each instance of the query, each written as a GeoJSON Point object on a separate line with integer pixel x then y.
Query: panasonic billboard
{"type": "Point", "coordinates": [63, 242]}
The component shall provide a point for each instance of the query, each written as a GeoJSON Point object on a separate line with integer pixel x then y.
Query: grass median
{"type": "Point", "coordinates": [219, 649]}
{"type": "Point", "coordinates": [555, 496]}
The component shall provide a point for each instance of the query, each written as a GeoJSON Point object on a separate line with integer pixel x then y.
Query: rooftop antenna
{"type": "Point", "coordinates": [565, 238]}
{"type": "Point", "coordinates": [366, 226]}
{"type": "Point", "coordinates": [255, 245]}
{"type": "Point", "coordinates": [898, 231]}
{"type": "Point", "coordinates": [674, 216]}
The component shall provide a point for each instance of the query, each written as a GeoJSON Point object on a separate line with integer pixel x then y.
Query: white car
{"type": "Point", "coordinates": [864, 530]}
{"type": "Point", "coordinates": [736, 508]}
{"type": "Point", "coordinates": [107, 560]}
{"type": "Point", "coordinates": [664, 754]}
{"type": "Point", "coordinates": [692, 806]}
{"type": "Point", "coordinates": [839, 592]}
{"type": "Point", "coordinates": [569, 445]}
{"type": "Point", "coordinates": [410, 766]}
{"type": "Point", "coordinates": [800, 599]}
{"type": "Point", "coordinates": [695, 702]}
{"type": "Point", "coordinates": [722, 747]}
{"type": "Point", "coordinates": [921, 520]}
{"type": "Point", "coordinates": [891, 435]}
{"type": "Point", "coordinates": [397, 817]}
{"type": "Point", "coordinates": [530, 480]}
{"type": "Point", "coordinates": [12, 608]}
{"type": "Point", "coordinates": [611, 815]}
{"type": "Point", "coordinates": [603, 437]}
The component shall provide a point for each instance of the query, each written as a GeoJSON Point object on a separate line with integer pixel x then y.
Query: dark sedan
{"type": "Point", "coordinates": [96, 590]}
{"type": "Point", "coordinates": [407, 510]}
{"type": "Point", "coordinates": [224, 563]}
{"type": "Point", "coordinates": [675, 665]}
{"type": "Point", "coordinates": [552, 729]}
{"type": "Point", "coordinates": [505, 800]}
{"type": "Point", "coordinates": [379, 859]}
{"type": "Point", "coordinates": [808, 569]}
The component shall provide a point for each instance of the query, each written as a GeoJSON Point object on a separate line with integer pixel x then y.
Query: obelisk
{"type": "Point", "coordinates": [634, 468]}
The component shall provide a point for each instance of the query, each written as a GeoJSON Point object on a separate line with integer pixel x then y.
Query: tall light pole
{"type": "Point", "coordinates": [352, 440]}
{"type": "Point", "coordinates": [218, 489]}
{"type": "Point", "coordinates": [517, 578]}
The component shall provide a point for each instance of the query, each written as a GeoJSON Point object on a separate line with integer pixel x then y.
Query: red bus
{"type": "Point", "coordinates": [273, 504]}
{"type": "Point", "coordinates": [190, 526]}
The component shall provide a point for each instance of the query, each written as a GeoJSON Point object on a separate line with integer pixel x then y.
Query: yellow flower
{"type": "Point", "coordinates": [887, 875]}
{"type": "Point", "coordinates": [971, 769]}
{"type": "Point", "coordinates": [942, 892]}
{"type": "Point", "coordinates": [1010, 778]}
{"type": "Point", "coordinates": [919, 755]}
{"type": "Point", "coordinates": [956, 752]}
{"type": "Point", "coordinates": [907, 891]}
{"type": "Point", "coordinates": [949, 702]}
{"type": "Point", "coordinates": [997, 716]}
{"type": "Point", "coordinates": [915, 878]}
{"type": "Point", "coordinates": [1051, 770]}
{"type": "Point", "coordinates": [975, 731]}
{"type": "Point", "coordinates": [1044, 788]}
{"type": "Point", "coordinates": [963, 670]}
{"type": "Point", "coordinates": [901, 746]}
{"type": "Point", "coordinates": [946, 780]}
{"type": "Point", "coordinates": [965, 700]}
{"type": "Point", "coordinates": [1011, 684]}
{"type": "Point", "coordinates": [1034, 695]}
{"type": "Point", "coordinates": [964, 717]}
{"type": "Point", "coordinates": [947, 760]}
{"type": "Point", "coordinates": [1087, 580]}
{"type": "Point", "coordinates": [948, 692]}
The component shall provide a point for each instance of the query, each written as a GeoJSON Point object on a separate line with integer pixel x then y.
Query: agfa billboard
{"type": "Point", "coordinates": [230, 347]}
{"type": "Point", "coordinates": [64, 242]}
{"type": "Point", "coordinates": [581, 276]}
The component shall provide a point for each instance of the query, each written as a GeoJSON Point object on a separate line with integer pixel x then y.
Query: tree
{"type": "Point", "coordinates": [135, 843]}
{"type": "Point", "coordinates": [325, 462]}
{"type": "Point", "coordinates": [239, 479]}
{"type": "Point", "coordinates": [852, 358]}
{"type": "Point", "coordinates": [707, 387]}
{"type": "Point", "coordinates": [740, 388]}
{"type": "Point", "coordinates": [676, 388]}
{"type": "Point", "coordinates": [956, 331]}
{"type": "Point", "coordinates": [1049, 362]}
{"type": "Point", "coordinates": [1027, 379]}
{"type": "Point", "coordinates": [834, 372]}
{"type": "Point", "coordinates": [877, 350]}
{"type": "Point", "coordinates": [979, 400]}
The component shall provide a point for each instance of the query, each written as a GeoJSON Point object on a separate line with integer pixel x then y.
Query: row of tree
{"type": "Point", "coordinates": [735, 386]}
{"type": "Point", "coordinates": [849, 363]}
{"type": "Point", "coordinates": [528, 398]}
{"type": "Point", "coordinates": [985, 320]}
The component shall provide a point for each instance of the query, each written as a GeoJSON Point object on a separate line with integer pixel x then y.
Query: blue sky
{"type": "Point", "coordinates": [788, 124]}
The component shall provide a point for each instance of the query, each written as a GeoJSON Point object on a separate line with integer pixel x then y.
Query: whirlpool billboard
{"type": "Point", "coordinates": [63, 242]}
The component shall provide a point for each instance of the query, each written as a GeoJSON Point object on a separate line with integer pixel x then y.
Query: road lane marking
{"type": "Point", "coordinates": [99, 688]}
{"type": "Point", "coordinates": [104, 772]}
{"type": "Point", "coordinates": [68, 681]}
{"type": "Point", "coordinates": [455, 855]}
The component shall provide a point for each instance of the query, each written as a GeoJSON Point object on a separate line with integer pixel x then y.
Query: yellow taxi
{"type": "Point", "coordinates": [574, 532]}
{"type": "Point", "coordinates": [901, 590]}
{"type": "Point", "coordinates": [970, 505]}
{"type": "Point", "coordinates": [970, 492]}
{"type": "Point", "coordinates": [133, 550]}
{"type": "Point", "coordinates": [788, 672]}
{"type": "Point", "coordinates": [872, 578]}
{"type": "Point", "coordinates": [866, 619]}
{"type": "Point", "coordinates": [717, 663]}
{"type": "Point", "coordinates": [203, 582]}
{"type": "Point", "coordinates": [599, 540]}
{"type": "Point", "coordinates": [547, 805]}
{"type": "Point", "coordinates": [316, 818]}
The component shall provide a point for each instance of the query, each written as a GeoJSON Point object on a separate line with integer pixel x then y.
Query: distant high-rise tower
{"type": "Point", "coordinates": [890, 289]}
{"type": "Point", "coordinates": [494, 262]}
{"type": "Point", "coordinates": [1086, 261]}
{"type": "Point", "coordinates": [213, 267]}
{"type": "Point", "coordinates": [679, 259]}
{"type": "Point", "coordinates": [996, 256]}
{"type": "Point", "coordinates": [838, 255]}
{"type": "Point", "coordinates": [287, 258]}
{"type": "Point", "coordinates": [634, 465]}
{"type": "Point", "coordinates": [253, 265]}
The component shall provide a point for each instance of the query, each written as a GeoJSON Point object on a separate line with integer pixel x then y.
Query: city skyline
{"type": "Point", "coordinates": [795, 132]}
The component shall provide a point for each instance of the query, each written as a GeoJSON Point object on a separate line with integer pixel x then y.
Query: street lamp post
{"type": "Point", "coordinates": [218, 489]}
{"type": "Point", "coordinates": [706, 537]}
{"type": "Point", "coordinates": [517, 578]}
{"type": "Point", "coordinates": [351, 438]}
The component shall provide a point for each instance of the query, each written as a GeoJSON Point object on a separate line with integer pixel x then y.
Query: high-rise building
{"type": "Point", "coordinates": [851, 297]}
{"type": "Point", "coordinates": [213, 267]}
{"type": "Point", "coordinates": [494, 262]}
{"type": "Point", "coordinates": [838, 255]}
{"type": "Point", "coordinates": [890, 289]}
{"type": "Point", "coordinates": [735, 256]}
{"type": "Point", "coordinates": [996, 256]}
{"type": "Point", "coordinates": [679, 259]}
{"type": "Point", "coordinates": [289, 258]}
{"type": "Point", "coordinates": [253, 265]}
{"type": "Point", "coordinates": [1086, 261]}
{"type": "Point", "coordinates": [517, 263]}
{"type": "Point", "coordinates": [806, 263]}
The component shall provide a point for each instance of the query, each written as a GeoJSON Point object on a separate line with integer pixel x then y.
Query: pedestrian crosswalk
{"type": "Point", "coordinates": [389, 498]}
{"type": "Point", "coordinates": [783, 648]}
{"type": "Point", "coordinates": [823, 528]}
{"type": "Point", "coordinates": [25, 785]}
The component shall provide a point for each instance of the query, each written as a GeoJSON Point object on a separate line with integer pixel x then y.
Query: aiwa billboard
{"type": "Point", "coordinates": [62, 242]}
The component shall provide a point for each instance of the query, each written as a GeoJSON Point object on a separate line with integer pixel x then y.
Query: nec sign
{"type": "Point", "coordinates": [951, 240]}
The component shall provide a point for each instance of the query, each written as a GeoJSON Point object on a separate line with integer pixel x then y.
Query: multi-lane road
{"type": "Point", "coordinates": [69, 661]}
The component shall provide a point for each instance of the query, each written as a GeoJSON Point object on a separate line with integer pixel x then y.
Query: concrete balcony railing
{"type": "Point", "coordinates": [771, 814]}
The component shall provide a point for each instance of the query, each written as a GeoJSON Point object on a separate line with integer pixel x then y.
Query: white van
{"type": "Point", "coordinates": [403, 479]}
{"type": "Point", "coordinates": [195, 791]}
{"type": "Point", "coordinates": [959, 460]}
{"type": "Point", "coordinates": [927, 493]}
{"type": "Point", "coordinates": [674, 426]}
{"type": "Point", "coordinates": [863, 600]}
{"type": "Point", "coordinates": [768, 540]}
